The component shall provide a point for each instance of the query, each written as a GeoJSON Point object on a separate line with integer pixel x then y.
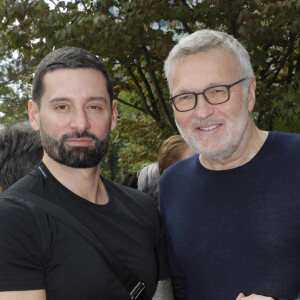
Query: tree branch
{"type": "Point", "coordinates": [288, 52]}
{"type": "Point", "coordinates": [131, 105]}
{"type": "Point", "coordinates": [153, 104]}
{"type": "Point", "coordinates": [185, 4]}
{"type": "Point", "coordinates": [159, 91]}
{"type": "Point", "coordinates": [186, 27]}
{"type": "Point", "coordinates": [140, 91]}
{"type": "Point", "coordinates": [83, 4]}
{"type": "Point", "coordinates": [53, 2]}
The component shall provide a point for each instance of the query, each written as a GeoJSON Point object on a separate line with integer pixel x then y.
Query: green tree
{"type": "Point", "coordinates": [134, 37]}
{"type": "Point", "coordinates": [14, 89]}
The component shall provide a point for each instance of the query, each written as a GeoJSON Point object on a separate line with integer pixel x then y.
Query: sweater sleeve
{"type": "Point", "coordinates": [298, 298]}
{"type": "Point", "coordinates": [178, 282]}
{"type": "Point", "coordinates": [22, 247]}
{"type": "Point", "coordinates": [177, 276]}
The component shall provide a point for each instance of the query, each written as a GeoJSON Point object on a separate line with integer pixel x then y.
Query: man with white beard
{"type": "Point", "coordinates": [232, 212]}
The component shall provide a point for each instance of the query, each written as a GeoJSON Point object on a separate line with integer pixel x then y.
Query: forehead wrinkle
{"type": "Point", "coordinates": [58, 99]}
{"type": "Point", "coordinates": [97, 98]}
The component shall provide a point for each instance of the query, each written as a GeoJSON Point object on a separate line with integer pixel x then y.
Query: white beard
{"type": "Point", "coordinates": [218, 149]}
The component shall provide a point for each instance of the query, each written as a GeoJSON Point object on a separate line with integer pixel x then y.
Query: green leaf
{"type": "Point", "coordinates": [62, 34]}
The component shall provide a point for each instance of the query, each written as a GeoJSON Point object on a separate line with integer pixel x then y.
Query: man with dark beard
{"type": "Point", "coordinates": [40, 257]}
{"type": "Point", "coordinates": [232, 211]}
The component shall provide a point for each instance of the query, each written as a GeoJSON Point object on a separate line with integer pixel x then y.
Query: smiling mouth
{"type": "Point", "coordinates": [209, 128]}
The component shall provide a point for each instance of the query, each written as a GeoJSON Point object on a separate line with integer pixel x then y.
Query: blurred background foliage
{"type": "Point", "coordinates": [133, 38]}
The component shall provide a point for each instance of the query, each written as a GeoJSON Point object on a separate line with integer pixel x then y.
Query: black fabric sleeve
{"type": "Point", "coordinates": [161, 249]}
{"type": "Point", "coordinates": [22, 247]}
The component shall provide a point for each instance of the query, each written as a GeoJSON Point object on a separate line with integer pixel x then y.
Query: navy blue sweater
{"type": "Point", "coordinates": [235, 230]}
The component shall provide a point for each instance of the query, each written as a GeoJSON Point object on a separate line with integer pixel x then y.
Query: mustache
{"type": "Point", "coordinates": [209, 121]}
{"type": "Point", "coordinates": [78, 135]}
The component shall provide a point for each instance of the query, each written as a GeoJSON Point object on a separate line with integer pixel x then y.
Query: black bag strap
{"type": "Point", "coordinates": [134, 286]}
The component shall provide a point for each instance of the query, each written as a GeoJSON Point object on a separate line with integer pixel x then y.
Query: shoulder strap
{"type": "Point", "coordinates": [133, 285]}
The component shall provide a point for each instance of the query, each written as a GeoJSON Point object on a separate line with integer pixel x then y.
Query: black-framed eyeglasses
{"type": "Point", "coordinates": [213, 95]}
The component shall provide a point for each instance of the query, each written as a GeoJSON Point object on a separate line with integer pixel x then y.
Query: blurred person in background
{"type": "Point", "coordinates": [148, 180]}
{"type": "Point", "coordinates": [130, 180]}
{"type": "Point", "coordinates": [20, 151]}
{"type": "Point", "coordinates": [172, 150]}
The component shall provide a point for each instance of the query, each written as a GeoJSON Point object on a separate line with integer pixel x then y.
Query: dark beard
{"type": "Point", "coordinates": [75, 157]}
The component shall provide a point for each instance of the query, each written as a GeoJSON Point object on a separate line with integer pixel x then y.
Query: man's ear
{"type": "Point", "coordinates": [251, 94]}
{"type": "Point", "coordinates": [113, 120]}
{"type": "Point", "coordinates": [34, 115]}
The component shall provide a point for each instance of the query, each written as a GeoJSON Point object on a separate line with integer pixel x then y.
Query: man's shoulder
{"type": "Point", "coordinates": [134, 204]}
{"type": "Point", "coordinates": [19, 216]}
{"type": "Point", "coordinates": [12, 200]}
{"type": "Point", "coordinates": [128, 195]}
{"type": "Point", "coordinates": [119, 188]}
{"type": "Point", "coordinates": [286, 142]}
{"type": "Point", "coordinates": [293, 137]}
{"type": "Point", "coordinates": [181, 169]}
{"type": "Point", "coordinates": [29, 182]}
{"type": "Point", "coordinates": [13, 207]}
{"type": "Point", "coordinates": [27, 233]}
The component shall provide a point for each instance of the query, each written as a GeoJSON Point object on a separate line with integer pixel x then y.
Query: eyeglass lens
{"type": "Point", "coordinates": [213, 95]}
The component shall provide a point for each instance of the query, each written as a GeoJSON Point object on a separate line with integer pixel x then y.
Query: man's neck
{"type": "Point", "coordinates": [247, 150]}
{"type": "Point", "coordinates": [85, 183]}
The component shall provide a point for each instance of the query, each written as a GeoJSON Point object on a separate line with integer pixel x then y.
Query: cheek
{"type": "Point", "coordinates": [53, 126]}
{"type": "Point", "coordinates": [100, 124]}
{"type": "Point", "coordinates": [231, 110]}
{"type": "Point", "coordinates": [183, 119]}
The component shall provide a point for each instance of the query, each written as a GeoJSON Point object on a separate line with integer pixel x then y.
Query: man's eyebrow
{"type": "Point", "coordinates": [183, 91]}
{"type": "Point", "coordinates": [216, 83]}
{"type": "Point", "coordinates": [59, 99]}
{"type": "Point", "coordinates": [209, 85]}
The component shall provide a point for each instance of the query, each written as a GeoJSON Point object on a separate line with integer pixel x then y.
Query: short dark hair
{"type": "Point", "coordinates": [67, 58]}
{"type": "Point", "coordinates": [20, 151]}
{"type": "Point", "coordinates": [130, 180]}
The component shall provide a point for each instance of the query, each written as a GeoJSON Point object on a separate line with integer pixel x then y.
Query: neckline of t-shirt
{"type": "Point", "coordinates": [74, 197]}
{"type": "Point", "coordinates": [251, 164]}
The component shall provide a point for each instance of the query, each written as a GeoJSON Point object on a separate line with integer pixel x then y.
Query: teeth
{"type": "Point", "coordinates": [210, 127]}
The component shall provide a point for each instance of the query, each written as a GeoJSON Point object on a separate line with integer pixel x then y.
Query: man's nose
{"type": "Point", "coordinates": [203, 109]}
{"type": "Point", "coordinates": [80, 121]}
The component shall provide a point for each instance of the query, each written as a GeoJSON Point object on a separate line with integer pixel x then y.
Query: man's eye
{"type": "Point", "coordinates": [95, 107]}
{"type": "Point", "coordinates": [219, 90]}
{"type": "Point", "coordinates": [185, 97]}
{"type": "Point", "coordinates": [61, 107]}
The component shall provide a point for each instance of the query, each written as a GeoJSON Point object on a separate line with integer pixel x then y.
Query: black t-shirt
{"type": "Point", "coordinates": [39, 252]}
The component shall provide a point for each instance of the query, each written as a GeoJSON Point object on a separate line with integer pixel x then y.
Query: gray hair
{"type": "Point", "coordinates": [20, 151]}
{"type": "Point", "coordinates": [205, 40]}
{"type": "Point", "coordinates": [148, 180]}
